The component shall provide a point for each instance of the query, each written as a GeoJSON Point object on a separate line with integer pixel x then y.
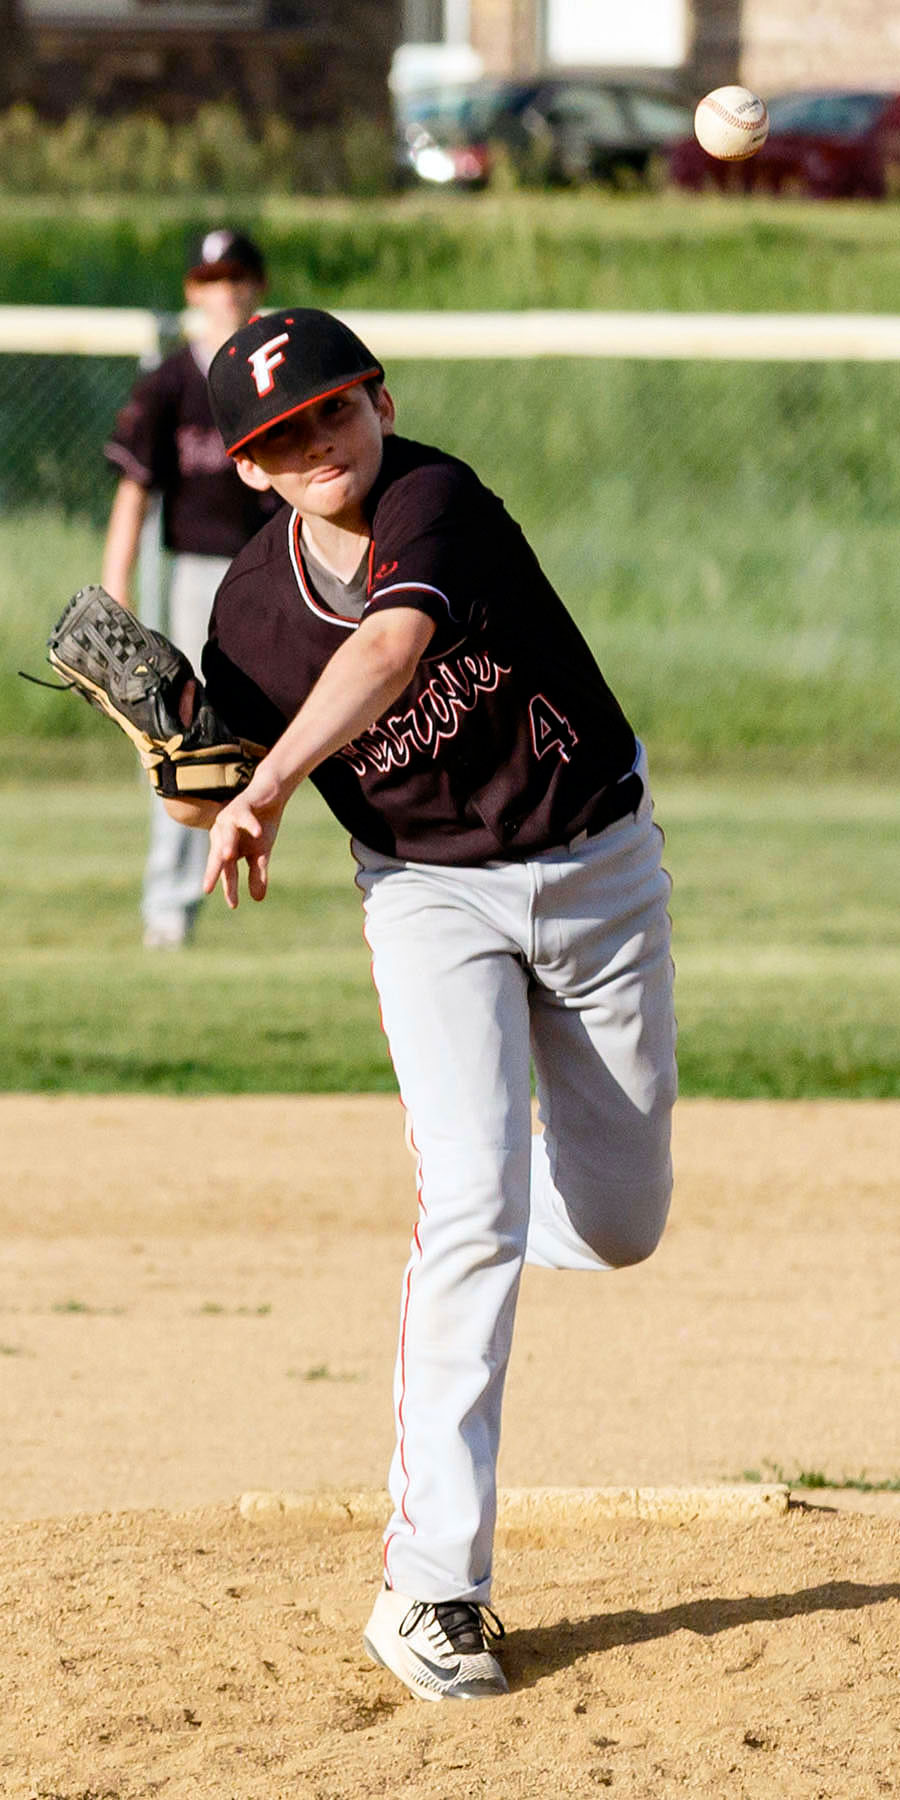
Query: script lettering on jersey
{"type": "Point", "coordinates": [454, 689]}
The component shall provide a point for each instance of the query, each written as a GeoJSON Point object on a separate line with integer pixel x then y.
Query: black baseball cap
{"type": "Point", "coordinates": [225, 256]}
{"type": "Point", "coordinates": [280, 363]}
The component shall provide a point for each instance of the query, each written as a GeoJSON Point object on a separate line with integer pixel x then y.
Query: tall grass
{"type": "Point", "coordinates": [476, 251]}
{"type": "Point", "coordinates": [216, 151]}
{"type": "Point", "coordinates": [724, 534]}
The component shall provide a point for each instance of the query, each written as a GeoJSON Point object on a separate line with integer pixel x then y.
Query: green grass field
{"type": "Point", "coordinates": [786, 939]}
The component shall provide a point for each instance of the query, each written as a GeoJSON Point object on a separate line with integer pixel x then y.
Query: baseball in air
{"type": "Point", "coordinates": [731, 123]}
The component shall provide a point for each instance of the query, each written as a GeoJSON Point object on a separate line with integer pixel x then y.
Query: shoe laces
{"type": "Point", "coordinates": [467, 1627]}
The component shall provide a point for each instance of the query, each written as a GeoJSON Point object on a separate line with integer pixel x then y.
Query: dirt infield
{"type": "Point", "coordinates": [196, 1655]}
{"type": "Point", "coordinates": [199, 1298]}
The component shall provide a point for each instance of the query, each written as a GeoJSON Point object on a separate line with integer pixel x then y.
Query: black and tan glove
{"type": "Point", "coordinates": [137, 676]}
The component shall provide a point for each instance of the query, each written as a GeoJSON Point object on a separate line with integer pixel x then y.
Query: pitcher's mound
{"type": "Point", "coordinates": [211, 1656]}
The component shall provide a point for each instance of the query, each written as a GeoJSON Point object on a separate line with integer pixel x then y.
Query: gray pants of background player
{"type": "Point", "coordinates": [176, 859]}
{"type": "Point", "coordinates": [565, 960]}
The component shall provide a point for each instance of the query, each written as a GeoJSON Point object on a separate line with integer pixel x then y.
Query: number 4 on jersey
{"type": "Point", "coordinates": [549, 730]}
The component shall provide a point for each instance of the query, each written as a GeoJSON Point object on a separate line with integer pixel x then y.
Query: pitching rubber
{"type": "Point", "coordinates": [538, 1511]}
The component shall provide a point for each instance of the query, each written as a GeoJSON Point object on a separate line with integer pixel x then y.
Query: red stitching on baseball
{"type": "Point", "coordinates": [732, 118]}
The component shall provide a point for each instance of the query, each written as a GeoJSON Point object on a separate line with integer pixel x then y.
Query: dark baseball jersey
{"type": "Point", "coordinates": [164, 438]}
{"type": "Point", "coordinates": [506, 741]}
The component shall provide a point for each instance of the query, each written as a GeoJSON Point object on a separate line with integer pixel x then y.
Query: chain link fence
{"type": "Point", "coordinates": [716, 520]}
{"type": "Point", "coordinates": [693, 390]}
{"type": "Point", "coordinates": [55, 413]}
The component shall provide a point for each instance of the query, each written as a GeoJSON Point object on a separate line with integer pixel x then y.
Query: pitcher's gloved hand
{"type": "Point", "coordinates": [138, 677]}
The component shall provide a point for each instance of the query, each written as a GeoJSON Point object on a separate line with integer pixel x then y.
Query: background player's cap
{"type": "Point", "coordinates": [280, 363]}
{"type": "Point", "coordinates": [225, 256]}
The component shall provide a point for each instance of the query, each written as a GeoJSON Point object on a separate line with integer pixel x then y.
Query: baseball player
{"type": "Point", "coordinates": [392, 637]}
{"type": "Point", "coordinates": [164, 440]}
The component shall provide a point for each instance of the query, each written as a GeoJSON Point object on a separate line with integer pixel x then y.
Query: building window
{"type": "Point", "coordinates": [648, 33]}
{"type": "Point", "coordinates": [423, 21]}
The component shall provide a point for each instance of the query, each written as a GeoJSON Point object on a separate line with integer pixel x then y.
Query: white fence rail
{"type": "Point", "coordinates": [738, 337]}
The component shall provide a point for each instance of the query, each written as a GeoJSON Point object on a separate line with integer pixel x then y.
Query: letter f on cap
{"type": "Point", "coordinates": [264, 360]}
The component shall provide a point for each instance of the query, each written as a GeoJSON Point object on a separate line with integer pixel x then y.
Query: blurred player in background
{"type": "Point", "coordinates": [164, 441]}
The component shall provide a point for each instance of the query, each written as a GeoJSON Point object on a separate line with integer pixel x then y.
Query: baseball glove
{"type": "Point", "coordinates": [137, 676]}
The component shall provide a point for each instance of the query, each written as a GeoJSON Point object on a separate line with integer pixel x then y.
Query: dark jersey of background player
{"type": "Point", "coordinates": [506, 741]}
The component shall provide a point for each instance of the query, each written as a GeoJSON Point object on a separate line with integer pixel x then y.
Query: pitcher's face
{"type": "Point", "coordinates": [324, 460]}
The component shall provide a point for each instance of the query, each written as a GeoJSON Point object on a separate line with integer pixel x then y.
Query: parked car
{"type": "Point", "coordinates": [558, 128]}
{"type": "Point", "coordinates": [833, 144]}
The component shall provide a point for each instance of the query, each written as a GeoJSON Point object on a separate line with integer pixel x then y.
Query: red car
{"type": "Point", "coordinates": [833, 144]}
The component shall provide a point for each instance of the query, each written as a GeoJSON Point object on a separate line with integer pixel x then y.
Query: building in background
{"type": "Point", "coordinates": [323, 62]}
{"type": "Point", "coordinates": [834, 43]}
{"type": "Point", "coordinates": [318, 63]}
{"type": "Point", "coordinates": [772, 45]}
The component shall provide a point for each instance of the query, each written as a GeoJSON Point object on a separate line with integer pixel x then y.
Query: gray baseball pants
{"type": "Point", "coordinates": [176, 858]}
{"type": "Point", "coordinates": [562, 961]}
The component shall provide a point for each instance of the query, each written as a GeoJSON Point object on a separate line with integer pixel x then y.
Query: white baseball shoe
{"type": "Point", "coordinates": [439, 1649]}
